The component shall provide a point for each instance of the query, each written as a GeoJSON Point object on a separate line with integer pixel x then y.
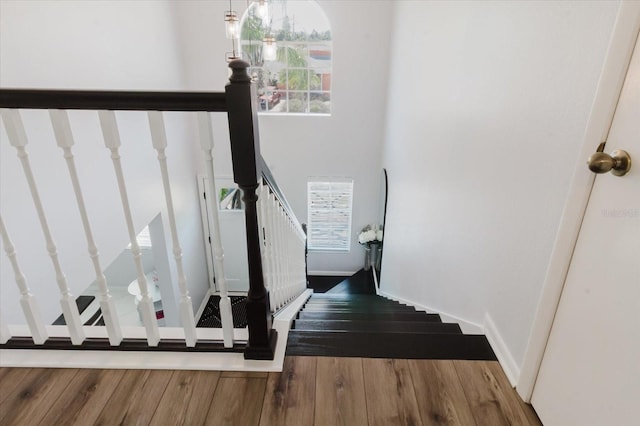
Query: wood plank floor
{"type": "Point", "coordinates": [309, 391]}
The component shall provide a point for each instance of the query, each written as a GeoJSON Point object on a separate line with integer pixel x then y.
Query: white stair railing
{"type": "Point", "coordinates": [18, 139]}
{"type": "Point", "coordinates": [111, 136]}
{"type": "Point", "coordinates": [283, 243]}
{"type": "Point", "coordinates": [268, 263]}
{"type": "Point", "coordinates": [277, 240]}
{"type": "Point", "coordinates": [159, 141]}
{"type": "Point", "coordinates": [226, 316]}
{"type": "Point", "coordinates": [64, 137]}
{"type": "Point", "coordinates": [27, 301]}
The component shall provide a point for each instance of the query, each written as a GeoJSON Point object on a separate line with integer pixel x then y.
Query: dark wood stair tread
{"type": "Point", "coordinates": [377, 326]}
{"type": "Point", "coordinates": [389, 345]}
{"type": "Point", "coordinates": [388, 316]}
{"type": "Point", "coordinates": [367, 325]}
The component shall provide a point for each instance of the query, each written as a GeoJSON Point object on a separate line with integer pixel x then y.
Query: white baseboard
{"type": "Point", "coordinates": [467, 327]}
{"type": "Point", "coordinates": [217, 361]}
{"type": "Point", "coordinates": [332, 273]}
{"type": "Point", "coordinates": [501, 350]}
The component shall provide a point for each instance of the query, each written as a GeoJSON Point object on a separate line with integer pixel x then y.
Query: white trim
{"type": "Point", "coordinates": [331, 273]}
{"type": "Point", "coordinates": [624, 34]}
{"type": "Point", "coordinates": [218, 361]}
{"type": "Point", "coordinates": [203, 305]}
{"type": "Point", "coordinates": [468, 327]}
{"type": "Point", "coordinates": [376, 284]}
{"type": "Point", "coordinates": [501, 349]}
{"type": "Point", "coordinates": [206, 227]}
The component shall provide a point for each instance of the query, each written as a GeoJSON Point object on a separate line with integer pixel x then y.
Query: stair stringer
{"type": "Point", "coordinates": [468, 327]}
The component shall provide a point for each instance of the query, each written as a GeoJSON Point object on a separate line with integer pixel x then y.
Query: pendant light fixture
{"type": "Point", "coordinates": [263, 10]}
{"type": "Point", "coordinates": [269, 48]}
{"type": "Point", "coordinates": [231, 23]}
{"type": "Point", "coordinates": [232, 28]}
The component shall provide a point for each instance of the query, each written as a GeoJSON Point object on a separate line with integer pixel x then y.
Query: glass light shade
{"type": "Point", "coordinates": [232, 24]}
{"type": "Point", "coordinates": [269, 48]}
{"type": "Point", "coordinates": [263, 10]}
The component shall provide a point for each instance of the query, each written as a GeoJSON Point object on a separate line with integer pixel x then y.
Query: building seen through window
{"type": "Point", "coordinates": [288, 45]}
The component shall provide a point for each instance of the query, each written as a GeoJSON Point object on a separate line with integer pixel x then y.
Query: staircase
{"type": "Point", "coordinates": [366, 325]}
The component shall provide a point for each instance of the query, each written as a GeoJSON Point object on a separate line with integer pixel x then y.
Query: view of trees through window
{"type": "Point", "coordinates": [298, 78]}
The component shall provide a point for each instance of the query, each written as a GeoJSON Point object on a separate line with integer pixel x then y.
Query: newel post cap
{"type": "Point", "coordinates": [239, 72]}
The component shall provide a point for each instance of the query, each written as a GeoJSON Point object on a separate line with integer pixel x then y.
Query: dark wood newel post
{"type": "Point", "coordinates": [245, 152]}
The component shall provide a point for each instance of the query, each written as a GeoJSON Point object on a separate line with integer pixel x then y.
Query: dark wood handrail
{"type": "Point", "coordinates": [113, 100]}
{"type": "Point", "coordinates": [275, 188]}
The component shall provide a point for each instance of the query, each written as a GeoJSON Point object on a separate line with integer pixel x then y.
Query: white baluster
{"type": "Point", "coordinates": [302, 268]}
{"type": "Point", "coordinates": [263, 202]}
{"type": "Point", "coordinates": [285, 252]}
{"type": "Point", "coordinates": [159, 141]}
{"type": "Point", "coordinates": [64, 137]}
{"type": "Point", "coordinates": [112, 142]}
{"type": "Point", "coordinates": [290, 257]}
{"type": "Point", "coordinates": [274, 241]}
{"type": "Point", "coordinates": [18, 139]}
{"type": "Point", "coordinates": [226, 314]}
{"type": "Point", "coordinates": [277, 250]}
{"type": "Point", "coordinates": [28, 302]}
{"type": "Point", "coordinates": [284, 255]}
{"type": "Point", "coordinates": [5, 334]}
{"type": "Point", "coordinates": [268, 246]}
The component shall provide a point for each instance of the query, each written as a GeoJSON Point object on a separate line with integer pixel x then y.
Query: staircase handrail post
{"type": "Point", "coordinates": [245, 152]}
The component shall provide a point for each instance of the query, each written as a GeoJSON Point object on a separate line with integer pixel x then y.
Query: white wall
{"type": "Point", "coordinates": [98, 45]}
{"type": "Point", "coordinates": [488, 102]}
{"type": "Point", "coordinates": [346, 144]}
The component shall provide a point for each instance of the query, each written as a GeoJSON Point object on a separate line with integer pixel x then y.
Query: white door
{"type": "Point", "coordinates": [590, 373]}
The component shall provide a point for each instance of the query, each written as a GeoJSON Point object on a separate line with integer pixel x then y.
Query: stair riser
{"type": "Point", "coordinates": [361, 310]}
{"type": "Point", "coordinates": [356, 303]}
{"type": "Point", "coordinates": [389, 345]}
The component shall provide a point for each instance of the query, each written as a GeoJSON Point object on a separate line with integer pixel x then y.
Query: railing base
{"type": "Point", "coordinates": [102, 344]}
{"type": "Point", "coordinates": [263, 353]}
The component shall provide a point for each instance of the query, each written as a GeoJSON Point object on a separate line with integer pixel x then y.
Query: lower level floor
{"type": "Point", "coordinates": [309, 391]}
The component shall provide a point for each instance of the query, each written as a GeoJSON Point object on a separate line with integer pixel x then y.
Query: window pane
{"type": "Point", "coordinates": [320, 103]}
{"type": "Point", "coordinates": [297, 54]}
{"type": "Point", "coordinates": [297, 102]}
{"type": "Point", "coordinates": [297, 79]}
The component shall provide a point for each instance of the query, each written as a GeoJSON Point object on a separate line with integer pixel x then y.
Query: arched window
{"type": "Point", "coordinates": [288, 44]}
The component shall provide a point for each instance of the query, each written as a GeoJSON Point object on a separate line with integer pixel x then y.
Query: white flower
{"type": "Point", "coordinates": [370, 233]}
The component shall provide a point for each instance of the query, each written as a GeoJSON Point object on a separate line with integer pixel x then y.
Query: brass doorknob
{"type": "Point", "coordinates": [619, 162]}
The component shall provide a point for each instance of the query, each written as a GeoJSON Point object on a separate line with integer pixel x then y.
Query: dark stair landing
{"type": "Point", "coordinates": [370, 326]}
